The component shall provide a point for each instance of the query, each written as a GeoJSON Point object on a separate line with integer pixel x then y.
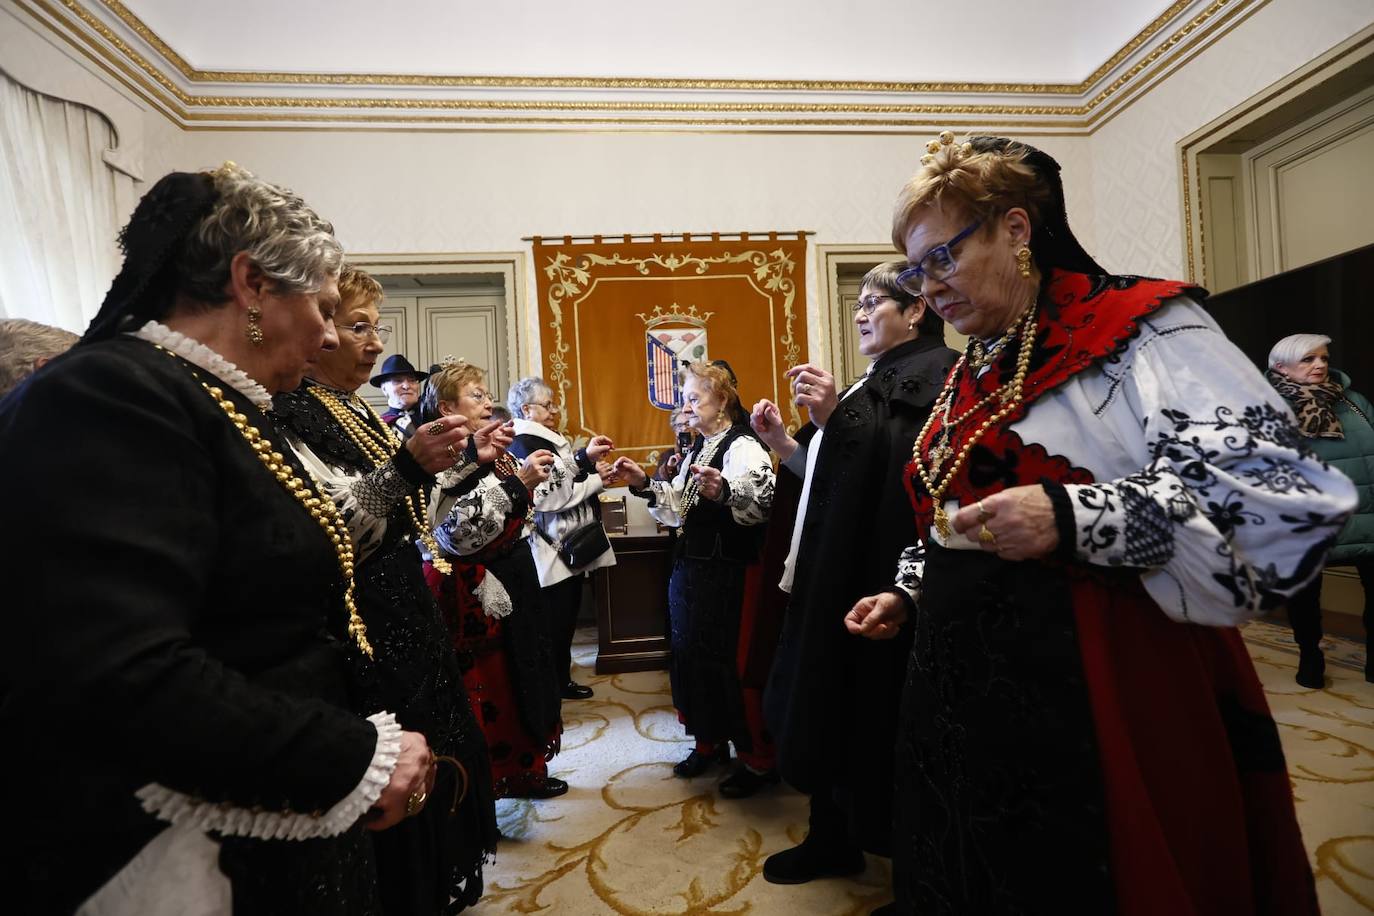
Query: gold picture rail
{"type": "Point", "coordinates": [613, 237]}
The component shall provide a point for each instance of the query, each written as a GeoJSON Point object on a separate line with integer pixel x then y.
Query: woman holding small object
{"type": "Point", "coordinates": [379, 484]}
{"type": "Point", "coordinates": [720, 498]}
{"type": "Point", "coordinates": [1104, 489]}
{"type": "Point", "coordinates": [481, 515]}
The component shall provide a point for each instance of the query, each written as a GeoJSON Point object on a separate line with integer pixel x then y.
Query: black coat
{"type": "Point", "coordinates": [166, 619]}
{"type": "Point", "coordinates": [832, 698]}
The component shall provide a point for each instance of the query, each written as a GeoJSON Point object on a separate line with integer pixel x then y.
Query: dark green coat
{"type": "Point", "coordinates": [1353, 456]}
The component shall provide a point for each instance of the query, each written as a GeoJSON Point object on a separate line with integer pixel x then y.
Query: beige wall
{"type": "Point", "coordinates": [1136, 169]}
{"type": "Point", "coordinates": [408, 192]}
{"type": "Point", "coordinates": [397, 191]}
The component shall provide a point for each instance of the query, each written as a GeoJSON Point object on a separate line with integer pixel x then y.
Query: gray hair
{"type": "Point", "coordinates": [22, 344]}
{"type": "Point", "coordinates": [288, 241]}
{"type": "Point", "coordinates": [526, 391]}
{"type": "Point", "coordinates": [1294, 347]}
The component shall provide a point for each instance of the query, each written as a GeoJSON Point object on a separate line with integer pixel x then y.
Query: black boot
{"type": "Point", "coordinates": [1305, 617]}
{"type": "Point", "coordinates": [1311, 669]}
{"type": "Point", "coordinates": [812, 860]}
{"type": "Point", "coordinates": [696, 762]}
{"type": "Point", "coordinates": [827, 850]}
{"type": "Point", "coordinates": [744, 782]}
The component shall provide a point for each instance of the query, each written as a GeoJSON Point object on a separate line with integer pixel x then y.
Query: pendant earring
{"type": "Point", "coordinates": [254, 329]}
{"type": "Point", "coordinates": [1023, 261]}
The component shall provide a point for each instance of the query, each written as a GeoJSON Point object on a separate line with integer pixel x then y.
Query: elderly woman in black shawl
{"type": "Point", "coordinates": [380, 483]}
{"type": "Point", "coordinates": [185, 615]}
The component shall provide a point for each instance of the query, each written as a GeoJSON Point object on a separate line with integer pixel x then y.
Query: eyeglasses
{"type": "Point", "coordinates": [867, 304]}
{"type": "Point", "coordinates": [547, 405]}
{"type": "Point", "coordinates": [363, 328]}
{"type": "Point", "coordinates": [937, 264]}
{"type": "Point", "coordinates": [479, 396]}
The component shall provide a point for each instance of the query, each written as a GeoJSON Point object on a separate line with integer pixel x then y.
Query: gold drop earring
{"type": "Point", "coordinates": [1023, 261]}
{"type": "Point", "coordinates": [254, 329]}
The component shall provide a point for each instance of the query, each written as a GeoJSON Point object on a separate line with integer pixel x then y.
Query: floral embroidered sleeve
{"type": "Point", "coordinates": [749, 481]}
{"type": "Point", "coordinates": [568, 485]}
{"type": "Point", "coordinates": [365, 500]}
{"type": "Point", "coordinates": [1229, 514]}
{"type": "Point", "coordinates": [910, 568]}
{"type": "Point", "coordinates": [465, 523]}
{"type": "Point", "coordinates": [665, 497]}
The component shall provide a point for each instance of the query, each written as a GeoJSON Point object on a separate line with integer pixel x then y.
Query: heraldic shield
{"type": "Point", "coordinates": [672, 339]}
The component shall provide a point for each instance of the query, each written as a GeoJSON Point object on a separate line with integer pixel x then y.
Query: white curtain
{"type": "Point", "coordinates": [61, 204]}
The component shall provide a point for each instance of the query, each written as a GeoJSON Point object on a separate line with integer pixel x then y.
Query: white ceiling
{"type": "Point", "coordinates": [1022, 41]}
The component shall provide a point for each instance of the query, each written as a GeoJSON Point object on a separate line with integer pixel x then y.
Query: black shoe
{"type": "Point", "coordinates": [551, 787]}
{"type": "Point", "coordinates": [744, 782]}
{"type": "Point", "coordinates": [1311, 669]}
{"type": "Point", "coordinates": [804, 863]}
{"type": "Point", "coordinates": [575, 691]}
{"type": "Point", "coordinates": [696, 762]}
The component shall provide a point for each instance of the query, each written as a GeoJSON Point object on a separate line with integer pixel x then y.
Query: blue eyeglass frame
{"type": "Point", "coordinates": [910, 278]}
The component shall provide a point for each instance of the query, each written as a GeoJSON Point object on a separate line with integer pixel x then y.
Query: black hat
{"type": "Point", "coordinates": [395, 365]}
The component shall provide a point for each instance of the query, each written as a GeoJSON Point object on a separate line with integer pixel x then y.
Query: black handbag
{"type": "Point", "coordinates": [582, 545]}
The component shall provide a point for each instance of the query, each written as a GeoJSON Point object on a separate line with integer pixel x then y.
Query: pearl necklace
{"type": "Point", "coordinates": [691, 493]}
{"type": "Point", "coordinates": [1010, 395]}
{"type": "Point", "coordinates": [379, 445]}
{"type": "Point", "coordinates": [320, 509]}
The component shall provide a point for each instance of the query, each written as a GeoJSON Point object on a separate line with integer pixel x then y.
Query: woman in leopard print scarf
{"type": "Point", "coordinates": [1336, 424]}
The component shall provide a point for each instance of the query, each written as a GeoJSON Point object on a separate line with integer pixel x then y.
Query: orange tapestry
{"type": "Point", "coordinates": [617, 317]}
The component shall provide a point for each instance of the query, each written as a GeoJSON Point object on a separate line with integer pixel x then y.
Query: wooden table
{"type": "Point", "coordinates": [632, 606]}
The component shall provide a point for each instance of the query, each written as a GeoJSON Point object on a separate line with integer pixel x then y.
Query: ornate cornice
{"type": "Point", "coordinates": [118, 40]}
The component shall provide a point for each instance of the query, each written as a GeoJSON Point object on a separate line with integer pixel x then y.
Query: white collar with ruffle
{"type": "Point", "coordinates": [195, 352]}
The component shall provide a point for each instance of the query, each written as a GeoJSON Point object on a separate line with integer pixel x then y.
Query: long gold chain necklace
{"type": "Point", "coordinates": [691, 493]}
{"type": "Point", "coordinates": [379, 445]}
{"type": "Point", "coordinates": [1010, 395]}
{"type": "Point", "coordinates": [321, 510]}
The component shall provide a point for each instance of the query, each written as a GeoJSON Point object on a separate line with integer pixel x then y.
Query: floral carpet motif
{"type": "Point", "coordinates": [630, 838]}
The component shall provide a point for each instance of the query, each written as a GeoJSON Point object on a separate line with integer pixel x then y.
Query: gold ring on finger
{"type": "Point", "coordinates": [987, 537]}
{"type": "Point", "coordinates": [452, 452]}
{"type": "Point", "coordinates": [415, 803]}
{"type": "Point", "coordinates": [437, 428]}
{"type": "Point", "coordinates": [983, 514]}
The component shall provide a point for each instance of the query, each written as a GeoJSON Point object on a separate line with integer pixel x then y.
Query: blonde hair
{"type": "Point", "coordinates": [978, 185]}
{"type": "Point", "coordinates": [719, 381]}
{"type": "Point", "coordinates": [23, 343]}
{"type": "Point", "coordinates": [355, 284]}
{"type": "Point", "coordinates": [447, 383]}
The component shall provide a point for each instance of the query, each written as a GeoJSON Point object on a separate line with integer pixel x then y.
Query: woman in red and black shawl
{"type": "Point", "coordinates": [1105, 489]}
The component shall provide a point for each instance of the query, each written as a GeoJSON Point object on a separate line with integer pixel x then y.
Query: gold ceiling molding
{"type": "Point", "coordinates": [181, 105]}
{"type": "Point", "coordinates": [140, 28]}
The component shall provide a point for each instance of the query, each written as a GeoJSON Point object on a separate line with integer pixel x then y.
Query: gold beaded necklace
{"type": "Point", "coordinates": [379, 445]}
{"type": "Point", "coordinates": [1010, 395]}
{"type": "Point", "coordinates": [321, 510]}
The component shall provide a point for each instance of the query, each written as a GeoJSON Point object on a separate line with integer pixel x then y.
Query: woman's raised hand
{"type": "Point", "coordinates": [535, 469]}
{"type": "Point", "coordinates": [413, 778]}
{"type": "Point", "coordinates": [493, 439]}
{"type": "Point", "coordinates": [599, 447]}
{"type": "Point", "coordinates": [709, 482]}
{"type": "Point", "coordinates": [626, 469]}
{"type": "Point", "coordinates": [766, 420]}
{"type": "Point", "coordinates": [437, 446]}
{"type": "Point", "coordinates": [814, 389]}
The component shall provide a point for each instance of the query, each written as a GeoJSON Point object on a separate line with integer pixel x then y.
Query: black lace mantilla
{"type": "Point", "coordinates": [312, 423]}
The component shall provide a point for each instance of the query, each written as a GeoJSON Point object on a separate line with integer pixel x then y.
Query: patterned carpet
{"type": "Point", "coordinates": [631, 839]}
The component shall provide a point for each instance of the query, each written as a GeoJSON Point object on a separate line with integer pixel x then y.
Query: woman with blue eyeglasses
{"type": "Point", "coordinates": [1105, 488]}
